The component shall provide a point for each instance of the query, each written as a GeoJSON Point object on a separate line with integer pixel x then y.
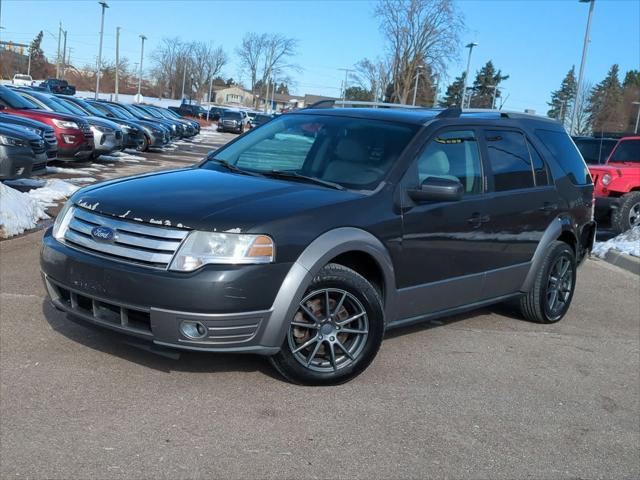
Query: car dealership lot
{"type": "Point", "coordinates": [480, 395]}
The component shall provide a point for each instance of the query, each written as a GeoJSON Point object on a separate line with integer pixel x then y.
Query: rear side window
{"type": "Point", "coordinates": [566, 154]}
{"type": "Point", "coordinates": [509, 160]}
{"type": "Point", "coordinates": [627, 151]}
{"type": "Point", "coordinates": [540, 174]}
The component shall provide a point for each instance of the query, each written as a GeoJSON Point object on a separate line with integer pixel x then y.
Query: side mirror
{"type": "Point", "coordinates": [438, 189]}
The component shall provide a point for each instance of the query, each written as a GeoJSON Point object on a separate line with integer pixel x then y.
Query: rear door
{"type": "Point", "coordinates": [522, 202]}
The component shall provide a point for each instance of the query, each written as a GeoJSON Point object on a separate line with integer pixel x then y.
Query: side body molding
{"type": "Point", "coordinates": [313, 258]}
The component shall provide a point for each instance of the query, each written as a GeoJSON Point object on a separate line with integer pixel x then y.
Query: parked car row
{"type": "Point", "coordinates": [38, 126]}
{"type": "Point", "coordinates": [236, 120]}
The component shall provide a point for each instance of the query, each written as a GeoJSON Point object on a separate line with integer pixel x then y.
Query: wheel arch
{"type": "Point", "coordinates": [347, 245]}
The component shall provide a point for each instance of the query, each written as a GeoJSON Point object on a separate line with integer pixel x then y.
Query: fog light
{"type": "Point", "coordinates": [69, 138]}
{"type": "Point", "coordinates": [193, 329]}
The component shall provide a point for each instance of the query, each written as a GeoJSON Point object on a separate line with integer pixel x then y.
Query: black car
{"type": "Point", "coordinates": [261, 119]}
{"type": "Point", "coordinates": [46, 132]}
{"type": "Point", "coordinates": [20, 150]}
{"type": "Point", "coordinates": [55, 85]}
{"type": "Point", "coordinates": [190, 110]}
{"type": "Point", "coordinates": [595, 151]}
{"type": "Point", "coordinates": [232, 121]}
{"type": "Point", "coordinates": [307, 238]}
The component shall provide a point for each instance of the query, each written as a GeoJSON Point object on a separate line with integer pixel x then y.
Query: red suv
{"type": "Point", "coordinates": [617, 185]}
{"type": "Point", "coordinates": [75, 139]}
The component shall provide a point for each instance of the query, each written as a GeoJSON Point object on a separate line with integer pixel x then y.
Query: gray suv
{"type": "Point", "coordinates": [310, 236]}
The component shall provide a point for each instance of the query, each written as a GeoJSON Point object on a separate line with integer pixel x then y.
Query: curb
{"type": "Point", "coordinates": [622, 260]}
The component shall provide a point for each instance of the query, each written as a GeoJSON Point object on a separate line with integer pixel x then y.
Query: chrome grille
{"type": "Point", "coordinates": [133, 242]}
{"type": "Point", "coordinates": [50, 136]}
{"type": "Point", "coordinates": [37, 146]}
{"type": "Point", "coordinates": [86, 130]}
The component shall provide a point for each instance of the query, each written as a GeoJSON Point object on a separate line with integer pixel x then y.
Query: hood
{"type": "Point", "coordinates": [102, 122]}
{"type": "Point", "coordinates": [24, 121]}
{"type": "Point", "coordinates": [612, 167]}
{"type": "Point", "coordinates": [19, 132]}
{"type": "Point", "coordinates": [38, 113]}
{"type": "Point", "coordinates": [206, 199]}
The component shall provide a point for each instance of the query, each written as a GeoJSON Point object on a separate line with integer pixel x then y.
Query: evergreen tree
{"type": "Point", "coordinates": [282, 88]}
{"type": "Point", "coordinates": [486, 85]}
{"type": "Point", "coordinates": [358, 93]}
{"type": "Point", "coordinates": [563, 99]}
{"type": "Point", "coordinates": [39, 65]}
{"type": "Point", "coordinates": [630, 94]}
{"type": "Point", "coordinates": [605, 104]}
{"type": "Point", "coordinates": [453, 95]}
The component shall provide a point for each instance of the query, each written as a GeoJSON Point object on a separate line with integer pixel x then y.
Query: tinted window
{"type": "Point", "coordinates": [540, 174]}
{"type": "Point", "coordinates": [509, 160]}
{"type": "Point", "coordinates": [595, 151]}
{"type": "Point", "coordinates": [453, 155]}
{"type": "Point", "coordinates": [566, 154]}
{"type": "Point", "coordinates": [627, 151]}
{"type": "Point", "coordinates": [354, 152]}
{"type": "Point", "coordinates": [12, 100]}
{"type": "Point", "coordinates": [232, 116]}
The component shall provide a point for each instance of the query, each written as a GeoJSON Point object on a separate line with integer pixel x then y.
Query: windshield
{"type": "Point", "coordinates": [232, 116]}
{"type": "Point", "coordinates": [627, 151]}
{"type": "Point", "coordinates": [46, 101]}
{"type": "Point", "coordinates": [149, 111]}
{"type": "Point", "coordinates": [70, 106]}
{"type": "Point", "coordinates": [123, 111]}
{"type": "Point", "coordinates": [356, 153]}
{"type": "Point", "coordinates": [12, 100]}
{"type": "Point", "coordinates": [595, 151]}
{"type": "Point", "coordinates": [87, 107]}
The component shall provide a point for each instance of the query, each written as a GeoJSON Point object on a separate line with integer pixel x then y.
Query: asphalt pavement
{"type": "Point", "coordinates": [481, 395]}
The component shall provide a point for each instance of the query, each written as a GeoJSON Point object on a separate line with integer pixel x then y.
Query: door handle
{"type": "Point", "coordinates": [548, 207]}
{"type": "Point", "coordinates": [476, 219]}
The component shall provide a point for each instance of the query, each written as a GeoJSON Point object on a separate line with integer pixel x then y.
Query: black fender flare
{"type": "Point", "coordinates": [315, 256]}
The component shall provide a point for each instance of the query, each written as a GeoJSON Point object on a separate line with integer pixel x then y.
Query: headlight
{"type": "Point", "coordinates": [126, 128]}
{"type": "Point", "coordinates": [201, 248]}
{"type": "Point", "coordinates": [12, 141]}
{"type": "Point", "coordinates": [61, 224]}
{"type": "Point", "coordinates": [606, 179]}
{"type": "Point", "coordinates": [102, 129]}
{"type": "Point", "coordinates": [37, 131]}
{"type": "Point", "coordinates": [65, 123]}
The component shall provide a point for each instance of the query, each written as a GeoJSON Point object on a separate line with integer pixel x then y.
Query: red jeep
{"type": "Point", "coordinates": [617, 185]}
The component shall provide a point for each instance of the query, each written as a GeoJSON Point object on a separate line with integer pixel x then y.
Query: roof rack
{"type": "Point", "coordinates": [359, 103]}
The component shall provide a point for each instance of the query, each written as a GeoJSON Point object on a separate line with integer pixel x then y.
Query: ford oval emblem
{"type": "Point", "coordinates": [103, 234]}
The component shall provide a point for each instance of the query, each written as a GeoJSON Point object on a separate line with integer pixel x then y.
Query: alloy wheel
{"type": "Point", "coordinates": [559, 286]}
{"type": "Point", "coordinates": [634, 215]}
{"type": "Point", "coordinates": [329, 331]}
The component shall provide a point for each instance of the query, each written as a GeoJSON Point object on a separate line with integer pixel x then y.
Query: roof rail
{"type": "Point", "coordinates": [358, 103]}
{"type": "Point", "coordinates": [450, 112]}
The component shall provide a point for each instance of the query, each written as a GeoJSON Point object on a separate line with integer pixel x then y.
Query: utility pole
{"type": "Point", "coordinates": [29, 63]}
{"type": "Point", "coordinates": [435, 90]}
{"type": "Point", "coordinates": [117, 60]}
{"type": "Point", "coordinates": [210, 89]}
{"type": "Point", "coordinates": [635, 131]}
{"type": "Point", "coordinates": [58, 56]}
{"type": "Point", "coordinates": [143, 38]}
{"type": "Point", "coordinates": [346, 75]}
{"type": "Point", "coordinates": [64, 53]}
{"type": "Point", "coordinates": [104, 7]}
{"type": "Point", "coordinates": [466, 75]}
{"type": "Point", "coordinates": [415, 86]}
{"type": "Point", "coordinates": [184, 78]}
{"type": "Point", "coordinates": [585, 46]}
{"type": "Point", "coordinates": [273, 94]}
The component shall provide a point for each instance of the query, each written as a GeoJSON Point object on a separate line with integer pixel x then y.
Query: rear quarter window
{"type": "Point", "coordinates": [566, 154]}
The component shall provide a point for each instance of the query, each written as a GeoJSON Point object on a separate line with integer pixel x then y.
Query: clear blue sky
{"type": "Point", "coordinates": [534, 41]}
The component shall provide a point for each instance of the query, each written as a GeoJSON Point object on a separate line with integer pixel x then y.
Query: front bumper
{"type": "Point", "coordinates": [15, 162]}
{"type": "Point", "coordinates": [604, 206]}
{"type": "Point", "coordinates": [106, 142]}
{"type": "Point", "coordinates": [40, 164]}
{"type": "Point", "coordinates": [234, 303]}
{"type": "Point", "coordinates": [76, 152]}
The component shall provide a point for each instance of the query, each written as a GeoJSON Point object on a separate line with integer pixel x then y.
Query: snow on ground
{"type": "Point", "coordinates": [627, 242]}
{"type": "Point", "coordinates": [52, 191]}
{"type": "Point", "coordinates": [121, 157]}
{"type": "Point", "coordinates": [80, 180]}
{"type": "Point", "coordinates": [18, 211]}
{"type": "Point", "coordinates": [25, 182]}
{"type": "Point", "coordinates": [83, 171]}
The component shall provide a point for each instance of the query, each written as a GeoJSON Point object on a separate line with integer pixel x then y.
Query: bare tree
{"type": "Point", "coordinates": [263, 56]}
{"type": "Point", "coordinates": [583, 120]}
{"type": "Point", "coordinates": [418, 32]}
{"type": "Point", "coordinates": [372, 76]}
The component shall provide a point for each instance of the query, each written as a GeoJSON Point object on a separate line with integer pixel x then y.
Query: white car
{"type": "Point", "coordinates": [22, 79]}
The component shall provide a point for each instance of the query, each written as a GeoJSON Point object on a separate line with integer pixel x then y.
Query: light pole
{"type": "Point", "coordinates": [117, 61]}
{"type": "Point", "coordinates": [346, 74]}
{"type": "Point", "coordinates": [637, 116]}
{"type": "Point", "coordinates": [585, 46]}
{"type": "Point", "coordinates": [104, 7]}
{"type": "Point", "coordinates": [466, 75]}
{"type": "Point", "coordinates": [415, 85]}
{"type": "Point", "coordinates": [210, 88]}
{"type": "Point", "coordinates": [142, 38]}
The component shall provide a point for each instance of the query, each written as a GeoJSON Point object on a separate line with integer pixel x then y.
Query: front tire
{"type": "Point", "coordinates": [336, 331]}
{"type": "Point", "coordinates": [552, 291]}
{"type": "Point", "coordinates": [144, 146]}
{"type": "Point", "coordinates": [627, 215]}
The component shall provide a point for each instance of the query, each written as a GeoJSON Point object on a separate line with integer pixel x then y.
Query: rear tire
{"type": "Point", "coordinates": [144, 146]}
{"type": "Point", "coordinates": [334, 344]}
{"type": "Point", "coordinates": [627, 215]}
{"type": "Point", "coordinates": [552, 291]}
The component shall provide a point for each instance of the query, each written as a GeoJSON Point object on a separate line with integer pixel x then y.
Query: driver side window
{"type": "Point", "coordinates": [454, 155]}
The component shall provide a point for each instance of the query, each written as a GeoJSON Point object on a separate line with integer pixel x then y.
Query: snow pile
{"type": "Point", "coordinates": [18, 211]}
{"type": "Point", "coordinates": [121, 157]}
{"type": "Point", "coordinates": [627, 242]}
{"type": "Point", "coordinates": [52, 191]}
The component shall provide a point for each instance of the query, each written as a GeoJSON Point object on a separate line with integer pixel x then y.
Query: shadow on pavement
{"type": "Point", "coordinates": [166, 360]}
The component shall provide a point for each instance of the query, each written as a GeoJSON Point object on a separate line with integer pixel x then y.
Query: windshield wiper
{"type": "Point", "coordinates": [298, 176]}
{"type": "Point", "coordinates": [232, 168]}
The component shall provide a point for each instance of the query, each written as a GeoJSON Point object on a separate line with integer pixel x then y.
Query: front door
{"type": "Point", "coordinates": [443, 254]}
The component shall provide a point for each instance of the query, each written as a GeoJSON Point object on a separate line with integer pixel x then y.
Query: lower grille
{"type": "Point", "coordinates": [37, 146]}
{"type": "Point", "coordinates": [133, 242]}
{"type": "Point", "coordinates": [108, 313]}
{"type": "Point", "coordinates": [118, 135]}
